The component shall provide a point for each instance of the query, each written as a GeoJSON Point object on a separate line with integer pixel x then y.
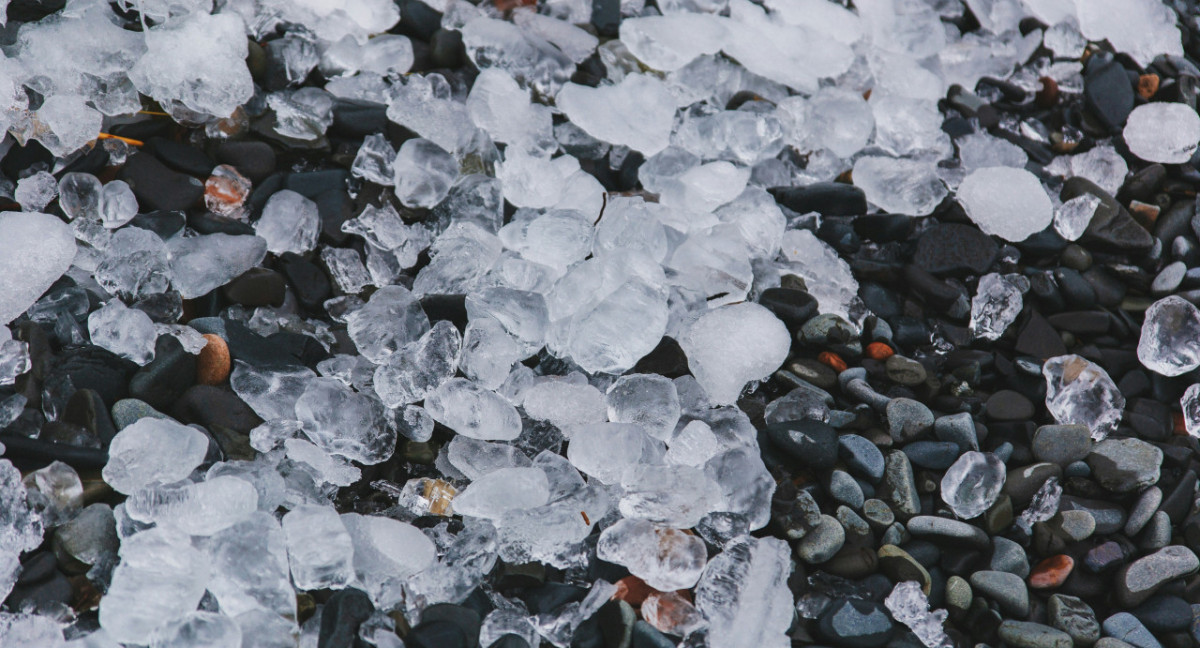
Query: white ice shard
{"type": "Point", "coordinates": [1079, 391]}
{"type": "Point", "coordinates": [493, 495]}
{"type": "Point", "coordinates": [1163, 132]}
{"type": "Point", "coordinates": [674, 496]}
{"type": "Point", "coordinates": [649, 400]}
{"type": "Point", "coordinates": [391, 319]}
{"type": "Point", "coordinates": [745, 596]}
{"type": "Point", "coordinates": [419, 367]}
{"type": "Point", "coordinates": [197, 62]}
{"type": "Point", "coordinates": [201, 264]}
{"type": "Point", "coordinates": [153, 450]}
{"type": "Point", "coordinates": [1006, 202]}
{"type": "Point", "coordinates": [900, 186]}
{"type": "Point", "coordinates": [667, 559]}
{"type": "Point", "coordinates": [827, 274]}
{"type": "Point", "coordinates": [386, 550]}
{"type": "Point", "coordinates": [320, 550]}
{"type": "Point", "coordinates": [667, 43]}
{"type": "Point", "coordinates": [732, 345]}
{"type": "Point", "coordinates": [1143, 29]}
{"type": "Point", "coordinates": [1170, 338]}
{"type": "Point", "coordinates": [908, 605]}
{"type": "Point", "coordinates": [249, 565]}
{"type": "Point", "coordinates": [35, 250]}
{"type": "Point", "coordinates": [161, 577]}
{"type": "Point", "coordinates": [474, 411]}
{"type": "Point", "coordinates": [488, 352]}
{"type": "Point", "coordinates": [605, 450]}
{"type": "Point", "coordinates": [289, 223]}
{"type": "Point", "coordinates": [1071, 219]}
{"type": "Point", "coordinates": [997, 303]}
{"type": "Point", "coordinates": [344, 422]}
{"type": "Point", "coordinates": [500, 106]}
{"type": "Point", "coordinates": [198, 509]}
{"type": "Point", "coordinates": [424, 173]}
{"type": "Point", "coordinates": [564, 404]}
{"type": "Point", "coordinates": [972, 484]}
{"type": "Point", "coordinates": [127, 332]}
{"type": "Point", "coordinates": [638, 112]}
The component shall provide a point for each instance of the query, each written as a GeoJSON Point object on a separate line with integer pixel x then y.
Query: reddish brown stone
{"type": "Point", "coordinates": [832, 360]}
{"type": "Point", "coordinates": [633, 590]}
{"type": "Point", "coordinates": [1051, 572]}
{"type": "Point", "coordinates": [212, 367]}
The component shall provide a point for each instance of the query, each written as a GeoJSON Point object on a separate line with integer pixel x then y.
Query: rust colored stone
{"type": "Point", "coordinates": [1051, 572]}
{"type": "Point", "coordinates": [633, 590]}
{"type": "Point", "coordinates": [1147, 85]}
{"type": "Point", "coordinates": [879, 351]}
{"type": "Point", "coordinates": [1048, 95]}
{"type": "Point", "coordinates": [212, 367]}
{"type": "Point", "coordinates": [832, 360]}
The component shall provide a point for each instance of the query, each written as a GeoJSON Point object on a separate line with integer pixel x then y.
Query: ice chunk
{"type": "Point", "coordinates": [473, 411]}
{"type": "Point", "coordinates": [225, 191]}
{"type": "Point", "coordinates": [694, 445]}
{"type": "Point", "coordinates": [118, 205]}
{"type": "Point", "coordinates": [1170, 338]}
{"type": "Point", "coordinates": [908, 605]}
{"type": "Point", "coordinates": [65, 123]}
{"type": "Point", "coordinates": [667, 559]}
{"type": "Point", "coordinates": [528, 57]}
{"type": "Point", "coordinates": [198, 509]}
{"type": "Point", "coordinates": [828, 276]}
{"type": "Point", "coordinates": [198, 62]}
{"type": "Point", "coordinates": [14, 360]}
{"type": "Point", "coordinates": [1190, 404]}
{"type": "Point", "coordinates": [196, 629]}
{"type": "Point", "coordinates": [674, 496]}
{"type": "Point", "coordinates": [423, 105]}
{"type": "Point", "coordinates": [746, 485]}
{"type": "Point", "coordinates": [35, 250]}
{"type": "Point", "coordinates": [502, 108]}
{"type": "Point", "coordinates": [532, 181]}
{"type": "Point", "coordinates": [344, 422]}
{"type": "Point", "coordinates": [1043, 506]}
{"type": "Point", "coordinates": [1101, 164]}
{"type": "Point", "coordinates": [20, 527]}
{"type": "Point", "coordinates": [649, 400]}
{"type": "Point", "coordinates": [271, 392]}
{"type": "Point", "coordinates": [794, 55]}
{"type": "Point", "coordinates": [732, 345]}
{"type": "Point", "coordinates": [1006, 202]}
{"type": "Point", "coordinates": [1071, 219]}
{"type": "Point", "coordinates": [374, 159]}
{"type": "Point", "coordinates": [900, 186]}
{"type": "Point", "coordinates": [980, 150]}
{"type": "Point", "coordinates": [997, 302]}
{"type": "Point", "coordinates": [488, 352]}
{"type": "Point", "coordinates": [79, 195]}
{"type": "Point", "coordinates": [346, 269]}
{"type": "Point", "coordinates": [605, 450]}
{"type": "Point", "coordinates": [386, 550]}
{"type": "Point", "coordinates": [249, 565]}
{"type": "Point", "coordinates": [1143, 29]}
{"type": "Point", "coordinates": [1079, 391]}
{"type": "Point", "coordinates": [841, 121]}
{"type": "Point", "coordinates": [576, 43]}
{"type": "Point", "coordinates": [424, 173]}
{"type": "Point", "coordinates": [153, 450]}
{"type": "Point", "coordinates": [908, 126]}
{"type": "Point", "coordinates": [475, 458]}
{"type": "Point", "coordinates": [320, 550]}
{"type": "Point", "coordinates": [460, 257]}
{"type": "Point", "coordinates": [744, 594]}
{"type": "Point", "coordinates": [55, 492]}
{"type": "Point", "coordinates": [127, 332]}
{"type": "Point", "coordinates": [419, 367]}
{"type": "Point", "coordinates": [706, 187]}
{"type": "Point", "coordinates": [493, 495]}
{"type": "Point", "coordinates": [521, 312]}
{"type": "Point", "coordinates": [638, 112]}
{"type": "Point", "coordinates": [558, 238]}
{"type": "Point", "coordinates": [972, 484]}
{"type": "Point", "coordinates": [289, 223]}
{"type": "Point", "coordinates": [391, 319]}
{"type": "Point", "coordinates": [667, 43]}
{"type": "Point", "coordinates": [161, 577]}
{"type": "Point", "coordinates": [1163, 132]}
{"type": "Point", "coordinates": [201, 264]}
{"type": "Point", "coordinates": [36, 191]}
{"type": "Point", "coordinates": [564, 404]}
{"type": "Point", "coordinates": [327, 468]}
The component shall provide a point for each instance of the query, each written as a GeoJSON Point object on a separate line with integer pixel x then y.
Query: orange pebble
{"type": "Point", "coordinates": [879, 351]}
{"type": "Point", "coordinates": [212, 367]}
{"type": "Point", "coordinates": [1180, 427]}
{"type": "Point", "coordinates": [1051, 572]}
{"type": "Point", "coordinates": [1147, 85]}
{"type": "Point", "coordinates": [633, 590]}
{"type": "Point", "coordinates": [832, 360]}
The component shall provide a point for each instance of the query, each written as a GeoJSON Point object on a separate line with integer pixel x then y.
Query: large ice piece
{"type": "Point", "coordinates": [667, 559]}
{"type": "Point", "coordinates": [1079, 391]}
{"type": "Point", "coordinates": [199, 628]}
{"type": "Point", "coordinates": [1143, 29]}
{"type": "Point", "coordinates": [250, 567]}
{"type": "Point", "coordinates": [998, 300]}
{"type": "Point", "coordinates": [649, 400]}
{"type": "Point", "coordinates": [424, 172]}
{"type": "Point", "coordinates": [732, 345]}
{"type": "Point", "coordinates": [1163, 132]}
{"type": "Point", "coordinates": [637, 112]}
{"type": "Point", "coordinates": [199, 509]}
{"type": "Point", "coordinates": [1170, 341]}
{"type": "Point", "coordinates": [289, 223]}
{"type": "Point", "coordinates": [20, 527]}
{"type": "Point", "coordinates": [320, 550]}
{"type": "Point", "coordinates": [667, 43]}
{"type": "Point", "coordinates": [127, 332]}
{"type": "Point", "coordinates": [198, 62]}
{"type": "Point", "coordinates": [908, 605]}
{"type": "Point", "coordinates": [675, 496]}
{"type": "Point", "coordinates": [35, 250]}
{"type": "Point", "coordinates": [471, 410]}
{"type": "Point", "coordinates": [201, 264]}
{"type": "Point", "coordinates": [827, 275]}
{"type": "Point", "coordinates": [745, 596]}
{"type": "Point", "coordinates": [153, 450]}
{"type": "Point", "coordinates": [420, 367]}
{"type": "Point", "coordinates": [161, 577]}
{"type": "Point", "coordinates": [500, 491]}
{"type": "Point", "coordinates": [972, 484]}
{"type": "Point", "coordinates": [344, 422]}
{"type": "Point", "coordinates": [391, 319]}
{"type": "Point", "coordinates": [1006, 202]}
{"type": "Point", "coordinates": [386, 550]}
{"type": "Point", "coordinates": [899, 186]}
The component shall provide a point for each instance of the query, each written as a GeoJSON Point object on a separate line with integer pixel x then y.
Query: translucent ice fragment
{"type": "Point", "coordinates": [1079, 391]}
{"type": "Point", "coordinates": [972, 484]}
{"type": "Point", "coordinates": [1071, 219]}
{"type": "Point", "coordinates": [160, 577]}
{"type": "Point", "coordinates": [36, 191]}
{"type": "Point", "coordinates": [1170, 339]}
{"type": "Point", "coordinates": [320, 550]}
{"type": "Point", "coordinates": [1163, 132]}
{"type": "Point", "coordinates": [564, 404]}
{"type": "Point", "coordinates": [127, 332]}
{"type": "Point", "coordinates": [667, 559]}
{"type": "Point", "coordinates": [744, 593]}
{"type": "Point", "coordinates": [732, 345]}
{"type": "Point", "coordinates": [289, 223]}
{"type": "Point", "coordinates": [424, 173]}
{"type": "Point", "coordinates": [391, 319]}
{"type": "Point", "coordinates": [997, 302]}
{"type": "Point", "coordinates": [344, 422]}
{"type": "Point", "coordinates": [474, 411]}
{"type": "Point", "coordinates": [908, 605]}
{"type": "Point", "coordinates": [419, 367]}
{"type": "Point", "coordinates": [900, 186]}
{"type": "Point", "coordinates": [649, 400]}
{"type": "Point", "coordinates": [201, 264]}
{"type": "Point", "coordinates": [1007, 202]}
{"type": "Point", "coordinates": [153, 450]}
{"type": "Point", "coordinates": [35, 250]}
{"type": "Point", "coordinates": [500, 491]}
{"type": "Point", "coordinates": [638, 112]}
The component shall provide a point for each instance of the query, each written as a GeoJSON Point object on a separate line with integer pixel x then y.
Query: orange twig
{"type": "Point", "coordinates": [127, 140]}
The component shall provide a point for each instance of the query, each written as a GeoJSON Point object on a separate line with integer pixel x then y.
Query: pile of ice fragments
{"type": "Point", "coordinates": [452, 323]}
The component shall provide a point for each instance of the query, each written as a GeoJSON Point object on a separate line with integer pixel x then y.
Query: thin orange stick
{"type": "Point", "coordinates": [127, 140]}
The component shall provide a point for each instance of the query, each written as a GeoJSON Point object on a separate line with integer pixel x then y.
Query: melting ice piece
{"type": "Point", "coordinates": [153, 450]}
{"type": "Point", "coordinates": [972, 484]}
{"type": "Point", "coordinates": [420, 367]}
{"type": "Point", "coordinates": [638, 112]}
{"type": "Point", "coordinates": [900, 186]}
{"type": "Point", "coordinates": [744, 594]}
{"type": "Point", "coordinates": [1071, 219]}
{"type": "Point", "coordinates": [289, 223]}
{"type": "Point", "coordinates": [391, 319]}
{"type": "Point", "coordinates": [475, 458]}
{"type": "Point", "coordinates": [500, 491]}
{"type": "Point", "coordinates": [1079, 391]}
{"type": "Point", "coordinates": [20, 527]}
{"type": "Point", "coordinates": [35, 250]}
{"type": "Point", "coordinates": [502, 108]}
{"type": "Point", "coordinates": [675, 496]}
{"type": "Point", "coordinates": [250, 567]}
{"type": "Point", "coordinates": [271, 392]}
{"type": "Point", "coordinates": [160, 577]}
{"type": "Point", "coordinates": [1190, 402]}
{"type": "Point", "coordinates": [908, 605]}
{"type": "Point", "coordinates": [1163, 132]}
{"type": "Point", "coordinates": [667, 43]}
{"type": "Point", "coordinates": [344, 422]}
{"type": "Point", "coordinates": [386, 549]}
{"type": "Point", "coordinates": [14, 360]}
{"type": "Point", "coordinates": [213, 628]}
{"type": "Point", "coordinates": [36, 191]}
{"type": "Point", "coordinates": [564, 404]}
{"type": "Point", "coordinates": [996, 304]}
{"type": "Point", "coordinates": [649, 400]}
{"type": "Point", "coordinates": [198, 509]}
{"type": "Point", "coordinates": [1170, 341]}
{"type": "Point", "coordinates": [373, 162]}
{"type": "Point", "coordinates": [201, 264]}
{"type": "Point", "coordinates": [605, 450]}
{"type": "Point", "coordinates": [471, 410]}
{"type": "Point", "coordinates": [667, 559]}
{"type": "Point", "coordinates": [1043, 506]}
{"type": "Point", "coordinates": [79, 195]}
{"type": "Point", "coordinates": [118, 205]}
{"type": "Point", "coordinates": [488, 352]}
{"type": "Point", "coordinates": [1006, 202]}
{"type": "Point", "coordinates": [828, 275]}
{"type": "Point", "coordinates": [127, 332]}
{"type": "Point", "coordinates": [1142, 29]}
{"type": "Point", "coordinates": [197, 61]}
{"type": "Point", "coordinates": [424, 172]}
{"type": "Point", "coordinates": [732, 345]}
{"type": "Point", "coordinates": [320, 550]}
{"type": "Point", "coordinates": [841, 121]}
{"type": "Point", "coordinates": [694, 445]}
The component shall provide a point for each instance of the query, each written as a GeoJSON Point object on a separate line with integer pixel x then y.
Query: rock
{"type": "Point", "coordinates": [645, 635]}
{"type": "Point", "coordinates": [958, 594]}
{"type": "Point", "coordinates": [1125, 627]}
{"type": "Point", "coordinates": [255, 160]}
{"type": "Point", "coordinates": [87, 409]}
{"type": "Point", "coordinates": [812, 443]}
{"type": "Point", "coordinates": [908, 418]}
{"type": "Point", "coordinates": [862, 456]}
{"type": "Point", "coordinates": [128, 411]}
{"type": "Point", "coordinates": [1074, 617]}
{"type": "Point", "coordinates": [1022, 634]}
{"type": "Point", "coordinates": [209, 405]}
{"type": "Point", "coordinates": [820, 544]}
{"type": "Point", "coordinates": [1006, 589]}
{"type": "Point", "coordinates": [905, 371]}
{"type": "Point", "coordinates": [1061, 444]}
{"type": "Point", "coordinates": [91, 367]}
{"type": "Point", "coordinates": [158, 187]}
{"type": "Point", "coordinates": [1124, 465]}
{"type": "Point", "coordinates": [257, 287]}
{"type": "Point", "coordinates": [1039, 339]}
{"type": "Point", "coordinates": [1021, 483]}
{"type": "Point", "coordinates": [934, 455]}
{"type": "Point", "coordinates": [437, 634]}
{"type": "Point", "coordinates": [948, 531]}
{"type": "Point", "coordinates": [856, 624]}
{"type": "Point", "coordinates": [825, 198]}
{"type": "Point", "coordinates": [1143, 577]}
{"type": "Point", "coordinates": [958, 429]}
{"type": "Point", "coordinates": [899, 488]}
{"type": "Point", "coordinates": [344, 612]}
{"type": "Point", "coordinates": [213, 364]}
{"type": "Point", "coordinates": [1109, 517]}
{"type": "Point", "coordinates": [1111, 228]}
{"type": "Point", "coordinates": [1008, 556]}
{"type": "Point", "coordinates": [1162, 614]}
{"type": "Point", "coordinates": [899, 566]}
{"type": "Point", "coordinates": [89, 538]}
{"type": "Point", "coordinates": [180, 156]}
{"type": "Point", "coordinates": [845, 489]}
{"type": "Point", "coordinates": [792, 307]}
{"type": "Point", "coordinates": [165, 378]}
{"type": "Point", "coordinates": [1108, 94]}
{"type": "Point", "coordinates": [953, 248]}
{"type": "Point", "coordinates": [1142, 510]}
{"type": "Point", "coordinates": [1051, 572]}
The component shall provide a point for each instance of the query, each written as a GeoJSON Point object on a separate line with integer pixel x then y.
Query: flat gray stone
{"type": "Point", "coordinates": [1062, 444]}
{"type": "Point", "coordinates": [1021, 634]}
{"type": "Point", "coordinates": [1125, 465]}
{"type": "Point", "coordinates": [820, 544]}
{"type": "Point", "coordinates": [1138, 580]}
{"type": "Point", "coordinates": [1004, 588]}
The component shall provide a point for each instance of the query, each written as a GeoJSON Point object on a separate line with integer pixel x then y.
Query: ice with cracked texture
{"type": "Point", "coordinates": [732, 345]}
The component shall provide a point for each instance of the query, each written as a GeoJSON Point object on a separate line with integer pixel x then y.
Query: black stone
{"type": "Point", "coordinates": [666, 359]}
{"type": "Point", "coordinates": [793, 307]}
{"type": "Point", "coordinates": [158, 187]}
{"type": "Point", "coordinates": [953, 248]}
{"type": "Point", "coordinates": [163, 223]}
{"type": "Point", "coordinates": [1111, 228]}
{"type": "Point", "coordinates": [856, 624]}
{"type": "Point", "coordinates": [91, 367]}
{"type": "Point", "coordinates": [1039, 339]}
{"type": "Point", "coordinates": [606, 16]}
{"type": "Point", "coordinates": [309, 282]}
{"type": "Point", "coordinates": [884, 228]}
{"type": "Point", "coordinates": [645, 635]}
{"type": "Point", "coordinates": [208, 405]}
{"type": "Point", "coordinates": [343, 613]}
{"type": "Point", "coordinates": [181, 157]}
{"type": "Point", "coordinates": [1008, 405]}
{"type": "Point", "coordinates": [812, 443]}
{"type": "Point", "coordinates": [356, 118]}
{"type": "Point", "coordinates": [437, 634]}
{"type": "Point", "coordinates": [1108, 94]}
{"type": "Point", "coordinates": [1164, 613]}
{"type": "Point", "coordinates": [1094, 322]}
{"type": "Point", "coordinates": [210, 223]}
{"type": "Point", "coordinates": [87, 409]}
{"type": "Point", "coordinates": [31, 454]}
{"type": "Point", "coordinates": [452, 308]}
{"type": "Point", "coordinates": [551, 596]}
{"type": "Point", "coordinates": [257, 287]}
{"type": "Point", "coordinates": [825, 198]}
{"type": "Point", "coordinates": [255, 160]}
{"type": "Point", "coordinates": [165, 378]}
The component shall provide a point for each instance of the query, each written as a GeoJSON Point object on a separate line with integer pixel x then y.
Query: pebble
{"type": "Point", "coordinates": [958, 429]}
{"type": "Point", "coordinates": [1008, 556]}
{"type": "Point", "coordinates": [945, 529]}
{"type": "Point", "coordinates": [128, 411]}
{"type": "Point", "coordinates": [1023, 634]}
{"type": "Point", "coordinates": [899, 488]}
{"type": "Point", "coordinates": [1125, 627]}
{"type": "Point", "coordinates": [1061, 444]}
{"type": "Point", "coordinates": [87, 539]}
{"type": "Point", "coordinates": [257, 287]}
{"type": "Point", "coordinates": [827, 198]}
{"type": "Point", "coordinates": [1143, 577]}
{"type": "Point", "coordinates": [953, 248]}
{"type": "Point", "coordinates": [1109, 517]}
{"type": "Point", "coordinates": [811, 443]}
{"type": "Point", "coordinates": [341, 617]}
{"type": "Point", "coordinates": [1074, 617]}
{"type": "Point", "coordinates": [932, 455]}
{"type": "Point", "coordinates": [1124, 465]}
{"type": "Point", "coordinates": [213, 364]}
{"type": "Point", "coordinates": [1021, 483]}
{"type": "Point", "coordinates": [845, 489]}
{"type": "Point", "coordinates": [210, 406]}
{"type": "Point", "coordinates": [1008, 405]}
{"type": "Point", "coordinates": [1051, 572]}
{"type": "Point", "coordinates": [1162, 613]}
{"type": "Point", "coordinates": [908, 418]}
{"type": "Point", "coordinates": [820, 544]}
{"type": "Point", "coordinates": [1107, 93]}
{"type": "Point", "coordinates": [898, 565]}
{"type": "Point", "coordinates": [1142, 510]}
{"type": "Point", "coordinates": [861, 456]}
{"type": "Point", "coordinates": [905, 371]}
{"type": "Point", "coordinates": [158, 187]}
{"type": "Point", "coordinates": [165, 378]}
{"type": "Point", "coordinates": [958, 594]}
{"type": "Point", "coordinates": [1006, 589]}
{"type": "Point", "coordinates": [856, 624]}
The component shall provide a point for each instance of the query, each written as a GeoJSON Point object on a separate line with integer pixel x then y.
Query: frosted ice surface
{"type": "Point", "coordinates": [732, 345]}
{"type": "Point", "coordinates": [271, 392]}
{"type": "Point", "coordinates": [532, 181]}
{"type": "Point", "coordinates": [502, 108]}
{"type": "Point", "coordinates": [161, 577]}
{"type": "Point", "coordinates": [667, 559]}
{"type": "Point", "coordinates": [79, 195]}
{"type": "Point", "coordinates": [1163, 132]}
{"type": "Point", "coordinates": [65, 123]}
{"type": "Point", "coordinates": [828, 275]}
{"type": "Point", "coordinates": [676, 496]}
{"type": "Point", "coordinates": [667, 43]}
{"type": "Point", "coordinates": [564, 404]}
{"type": "Point", "coordinates": [20, 527]}
{"type": "Point", "coordinates": [201, 264]}
{"type": "Point", "coordinates": [199, 509]}
{"type": "Point", "coordinates": [981, 150]}
{"type": "Point", "coordinates": [344, 422]}
{"type": "Point", "coordinates": [1143, 29]}
{"type": "Point", "coordinates": [199, 628]}
{"type": "Point", "coordinates": [1006, 202]}
{"type": "Point", "coordinates": [638, 112]}
{"type": "Point", "coordinates": [837, 22]}
{"type": "Point", "coordinates": [36, 191]}
{"type": "Point", "coordinates": [605, 450]}
{"type": "Point", "coordinates": [908, 126]}
{"type": "Point", "coordinates": [118, 205]}
{"type": "Point", "coordinates": [473, 411]}
{"type": "Point", "coordinates": [1079, 391]}
{"type": "Point", "coordinates": [386, 549]}
{"type": "Point", "coordinates": [475, 458]}
{"type": "Point", "coordinates": [424, 173]}
{"type": "Point", "coordinates": [1170, 338]}
{"type": "Point", "coordinates": [1043, 506]}
{"type": "Point", "coordinates": [1071, 219]}
{"type": "Point", "coordinates": [14, 360]}
{"type": "Point", "coordinates": [577, 44]}
{"type": "Point", "coordinates": [198, 62]}
{"type": "Point", "coordinates": [460, 257]}
{"type": "Point", "coordinates": [422, 104]}
{"type": "Point", "coordinates": [419, 367]}
{"type": "Point", "coordinates": [488, 352]}
{"type": "Point", "coordinates": [528, 57]}
{"type": "Point", "coordinates": [900, 186]}
{"type": "Point", "coordinates": [250, 567]}
{"type": "Point", "coordinates": [908, 605]}
{"type": "Point", "coordinates": [493, 495]}
{"type": "Point", "coordinates": [153, 450]}
{"type": "Point", "coordinates": [521, 312]}
{"type": "Point", "coordinates": [289, 223]}
{"type": "Point", "coordinates": [796, 56]}
{"type": "Point", "coordinates": [706, 187]}
{"type": "Point", "coordinates": [693, 445]}
{"type": "Point", "coordinates": [391, 319]}
{"type": "Point", "coordinates": [997, 303]}
{"type": "Point", "coordinates": [649, 400]}
{"type": "Point", "coordinates": [972, 484]}
{"type": "Point", "coordinates": [346, 269]}
{"type": "Point", "coordinates": [1064, 39]}
{"type": "Point", "coordinates": [840, 120]}
{"type": "Point", "coordinates": [35, 250]}
{"type": "Point", "coordinates": [1102, 165]}
{"type": "Point", "coordinates": [331, 469]}
{"type": "Point", "coordinates": [744, 594]}
{"type": "Point", "coordinates": [558, 238]}
{"type": "Point", "coordinates": [127, 332]}
{"type": "Point", "coordinates": [374, 159]}
{"type": "Point", "coordinates": [320, 550]}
